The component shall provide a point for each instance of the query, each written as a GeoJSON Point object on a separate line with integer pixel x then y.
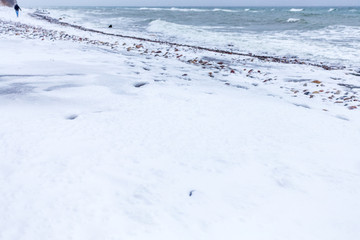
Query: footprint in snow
{"type": "Point", "coordinates": [72, 117]}
{"type": "Point", "coordinates": [140, 84]}
{"type": "Point", "coordinates": [191, 193]}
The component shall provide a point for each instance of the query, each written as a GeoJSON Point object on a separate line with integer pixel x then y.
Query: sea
{"type": "Point", "coordinates": [328, 35]}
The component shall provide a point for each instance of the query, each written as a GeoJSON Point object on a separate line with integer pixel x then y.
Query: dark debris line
{"type": "Point", "coordinates": [260, 57]}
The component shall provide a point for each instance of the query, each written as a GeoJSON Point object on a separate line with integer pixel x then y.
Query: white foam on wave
{"type": "Point", "coordinates": [325, 44]}
{"type": "Point", "coordinates": [236, 27]}
{"type": "Point", "coordinates": [151, 9]}
{"type": "Point", "coordinates": [249, 10]}
{"type": "Point", "coordinates": [195, 35]}
{"type": "Point", "coordinates": [292, 20]}
{"type": "Point", "coordinates": [296, 10]}
{"type": "Point", "coordinates": [223, 10]}
{"type": "Point", "coordinates": [173, 29]}
{"type": "Point", "coordinates": [187, 32]}
{"type": "Point", "coordinates": [331, 9]}
{"type": "Point", "coordinates": [174, 9]}
{"type": "Point", "coordinates": [227, 28]}
{"type": "Point", "coordinates": [188, 9]}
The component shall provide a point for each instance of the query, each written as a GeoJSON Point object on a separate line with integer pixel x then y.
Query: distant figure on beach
{"type": "Point", "coordinates": [17, 8]}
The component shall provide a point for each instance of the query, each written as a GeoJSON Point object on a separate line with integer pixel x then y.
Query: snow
{"type": "Point", "coordinates": [85, 154]}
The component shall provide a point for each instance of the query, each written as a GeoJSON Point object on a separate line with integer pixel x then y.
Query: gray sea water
{"type": "Point", "coordinates": [326, 34]}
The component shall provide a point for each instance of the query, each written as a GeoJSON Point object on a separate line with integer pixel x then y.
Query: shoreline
{"type": "Point", "coordinates": [339, 85]}
{"type": "Point", "coordinates": [260, 57]}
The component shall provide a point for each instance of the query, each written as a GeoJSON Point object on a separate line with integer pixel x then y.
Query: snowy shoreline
{"type": "Point", "coordinates": [340, 87]}
{"type": "Point", "coordinates": [260, 57]}
{"type": "Point", "coordinates": [110, 138]}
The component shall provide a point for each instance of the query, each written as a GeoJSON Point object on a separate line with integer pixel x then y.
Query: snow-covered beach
{"type": "Point", "coordinates": [105, 137]}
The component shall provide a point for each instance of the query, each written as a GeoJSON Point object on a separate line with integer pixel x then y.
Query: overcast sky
{"type": "Point", "coordinates": [189, 2]}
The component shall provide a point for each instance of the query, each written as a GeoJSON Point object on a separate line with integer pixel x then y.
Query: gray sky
{"type": "Point", "coordinates": [189, 2]}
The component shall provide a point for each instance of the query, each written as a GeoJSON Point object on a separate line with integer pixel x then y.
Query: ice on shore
{"type": "Point", "coordinates": [110, 138]}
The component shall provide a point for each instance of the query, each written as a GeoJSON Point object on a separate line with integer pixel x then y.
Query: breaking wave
{"type": "Point", "coordinates": [172, 29]}
{"type": "Point", "coordinates": [296, 10]}
{"type": "Point", "coordinates": [292, 20]}
{"type": "Point", "coordinates": [189, 9]}
{"type": "Point", "coordinates": [151, 9]}
{"type": "Point", "coordinates": [176, 9]}
{"type": "Point", "coordinates": [223, 10]}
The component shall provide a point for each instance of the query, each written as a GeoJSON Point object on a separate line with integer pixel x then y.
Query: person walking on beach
{"type": "Point", "coordinates": [17, 8]}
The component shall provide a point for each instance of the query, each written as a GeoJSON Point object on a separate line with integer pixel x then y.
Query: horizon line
{"type": "Point", "coordinates": [211, 6]}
